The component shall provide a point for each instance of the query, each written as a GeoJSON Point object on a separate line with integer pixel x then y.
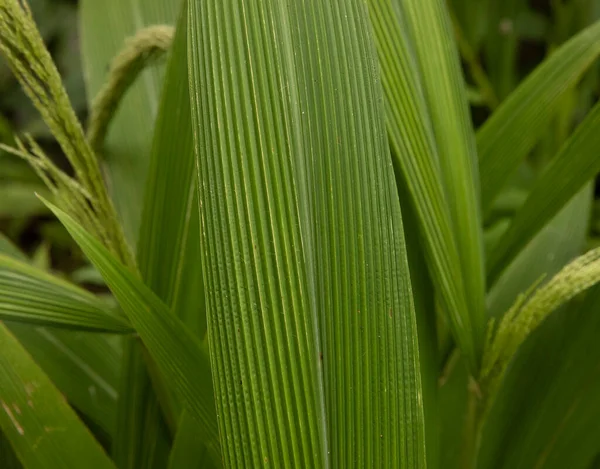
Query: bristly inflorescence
{"type": "Point", "coordinates": [84, 197]}
{"type": "Point", "coordinates": [529, 311]}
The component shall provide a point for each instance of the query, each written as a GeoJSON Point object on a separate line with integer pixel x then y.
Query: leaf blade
{"type": "Point", "coordinates": [31, 295]}
{"type": "Point", "coordinates": [42, 428]}
{"type": "Point", "coordinates": [501, 142]}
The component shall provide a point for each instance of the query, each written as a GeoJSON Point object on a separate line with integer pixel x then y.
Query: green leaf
{"type": "Point", "coordinates": [444, 88]}
{"type": "Point", "coordinates": [308, 292]}
{"type": "Point", "coordinates": [555, 423]}
{"type": "Point", "coordinates": [179, 355]}
{"type": "Point", "coordinates": [44, 431]}
{"type": "Point", "coordinates": [141, 436]}
{"type": "Point", "coordinates": [561, 240]}
{"type": "Point", "coordinates": [84, 366]}
{"type": "Point", "coordinates": [576, 164]}
{"type": "Point", "coordinates": [512, 131]}
{"type": "Point", "coordinates": [187, 453]}
{"type": "Point", "coordinates": [28, 294]}
{"type": "Point", "coordinates": [425, 312]}
{"type": "Point", "coordinates": [416, 161]}
{"type": "Point", "coordinates": [168, 248]}
{"type": "Point", "coordinates": [127, 148]}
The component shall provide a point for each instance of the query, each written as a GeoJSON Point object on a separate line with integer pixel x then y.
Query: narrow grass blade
{"type": "Point", "coordinates": [444, 87]}
{"type": "Point", "coordinates": [426, 316]}
{"type": "Point", "coordinates": [141, 436]}
{"type": "Point", "coordinates": [575, 165]}
{"type": "Point", "coordinates": [307, 281]}
{"type": "Point", "coordinates": [84, 366]}
{"type": "Point", "coordinates": [511, 132]}
{"type": "Point", "coordinates": [127, 148]}
{"type": "Point", "coordinates": [44, 431]}
{"type": "Point", "coordinates": [416, 161]}
{"type": "Point", "coordinates": [28, 294]}
{"type": "Point", "coordinates": [179, 356]}
{"type": "Point", "coordinates": [168, 247]}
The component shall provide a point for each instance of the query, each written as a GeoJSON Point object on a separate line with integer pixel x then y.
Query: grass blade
{"type": "Point", "coordinates": [84, 366]}
{"type": "Point", "coordinates": [179, 356]}
{"type": "Point", "coordinates": [416, 160]}
{"type": "Point", "coordinates": [444, 87]}
{"type": "Point", "coordinates": [501, 141]}
{"type": "Point", "coordinates": [575, 165]}
{"type": "Point", "coordinates": [28, 294]}
{"type": "Point", "coordinates": [168, 248]}
{"type": "Point", "coordinates": [306, 269]}
{"type": "Point", "coordinates": [44, 431]}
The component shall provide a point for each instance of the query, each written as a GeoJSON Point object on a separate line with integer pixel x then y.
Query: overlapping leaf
{"type": "Point", "coordinates": [511, 132]}
{"type": "Point", "coordinates": [28, 294]}
{"type": "Point", "coordinates": [44, 431]}
{"type": "Point", "coordinates": [416, 159]}
{"type": "Point", "coordinates": [575, 165]}
{"type": "Point", "coordinates": [179, 356]}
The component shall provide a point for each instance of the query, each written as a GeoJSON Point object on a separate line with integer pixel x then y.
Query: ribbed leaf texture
{"type": "Point", "coordinates": [417, 161]}
{"type": "Point", "coordinates": [311, 323]}
{"type": "Point", "coordinates": [43, 430]}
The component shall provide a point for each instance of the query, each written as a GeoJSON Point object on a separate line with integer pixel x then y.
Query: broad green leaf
{"type": "Point", "coordinates": [555, 423]}
{"type": "Point", "coordinates": [44, 431]}
{"type": "Point", "coordinates": [84, 366]}
{"type": "Point", "coordinates": [178, 354]}
{"type": "Point", "coordinates": [416, 161]}
{"type": "Point", "coordinates": [311, 323]}
{"type": "Point", "coordinates": [169, 247]}
{"type": "Point", "coordinates": [28, 294]}
{"type": "Point", "coordinates": [127, 148]}
{"type": "Point", "coordinates": [444, 88]}
{"type": "Point", "coordinates": [565, 175]}
{"type": "Point", "coordinates": [512, 131]}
